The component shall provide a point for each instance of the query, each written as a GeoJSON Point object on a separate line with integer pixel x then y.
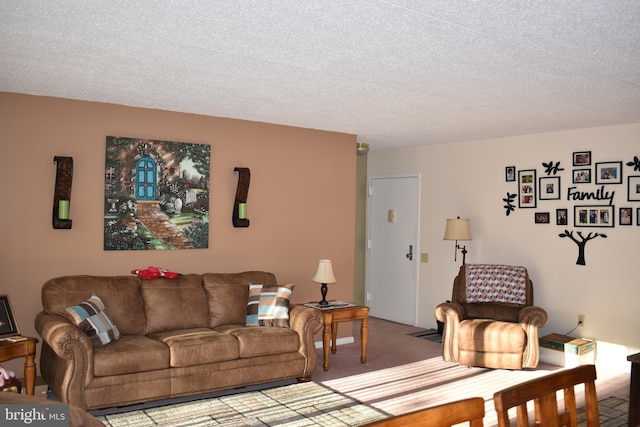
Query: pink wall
{"type": "Point", "coordinates": [301, 201]}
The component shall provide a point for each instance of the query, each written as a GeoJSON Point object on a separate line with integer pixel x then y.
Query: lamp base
{"type": "Point", "coordinates": [323, 290]}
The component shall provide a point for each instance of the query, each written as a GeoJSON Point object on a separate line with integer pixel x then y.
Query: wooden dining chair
{"type": "Point", "coordinates": [446, 415]}
{"type": "Point", "coordinates": [543, 392]}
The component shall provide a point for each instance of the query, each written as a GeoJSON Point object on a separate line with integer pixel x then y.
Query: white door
{"type": "Point", "coordinates": [392, 255]}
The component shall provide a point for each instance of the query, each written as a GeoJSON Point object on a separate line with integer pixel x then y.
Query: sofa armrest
{"type": "Point", "coordinates": [66, 359]}
{"type": "Point", "coordinates": [532, 318]}
{"type": "Point", "coordinates": [306, 322]}
{"type": "Point", "coordinates": [450, 313]}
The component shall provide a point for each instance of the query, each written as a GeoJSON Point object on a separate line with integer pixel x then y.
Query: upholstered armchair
{"type": "Point", "coordinates": [491, 320]}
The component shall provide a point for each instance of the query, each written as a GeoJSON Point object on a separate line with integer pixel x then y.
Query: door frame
{"type": "Point", "coordinates": [416, 252]}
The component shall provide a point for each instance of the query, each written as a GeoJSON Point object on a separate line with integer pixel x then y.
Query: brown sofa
{"type": "Point", "coordinates": [178, 337]}
{"type": "Point", "coordinates": [492, 322]}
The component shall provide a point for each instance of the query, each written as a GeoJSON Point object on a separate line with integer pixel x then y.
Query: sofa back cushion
{"type": "Point", "coordinates": [228, 294]}
{"type": "Point", "coordinates": [120, 295]}
{"type": "Point", "coordinates": [173, 304]}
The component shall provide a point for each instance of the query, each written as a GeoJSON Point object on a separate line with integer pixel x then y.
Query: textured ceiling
{"type": "Point", "coordinates": [396, 73]}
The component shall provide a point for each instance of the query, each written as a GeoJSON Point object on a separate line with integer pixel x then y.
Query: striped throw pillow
{"type": "Point", "coordinates": [269, 305]}
{"type": "Point", "coordinates": [92, 318]}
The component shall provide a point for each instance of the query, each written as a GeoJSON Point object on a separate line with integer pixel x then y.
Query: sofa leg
{"type": "Point", "coordinates": [304, 379]}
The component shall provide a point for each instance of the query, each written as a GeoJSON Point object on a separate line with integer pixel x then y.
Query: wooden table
{"type": "Point", "coordinates": [634, 390]}
{"type": "Point", "coordinates": [331, 317]}
{"type": "Point", "coordinates": [26, 349]}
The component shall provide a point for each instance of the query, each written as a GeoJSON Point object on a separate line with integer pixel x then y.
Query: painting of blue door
{"type": "Point", "coordinates": [146, 179]}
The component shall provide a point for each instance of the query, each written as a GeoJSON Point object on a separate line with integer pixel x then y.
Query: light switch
{"type": "Point", "coordinates": [391, 215]}
{"type": "Point", "coordinates": [424, 257]}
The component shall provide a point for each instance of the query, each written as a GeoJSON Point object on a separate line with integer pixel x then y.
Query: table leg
{"type": "Point", "coordinates": [326, 336]}
{"type": "Point", "coordinates": [634, 395]}
{"type": "Point", "coordinates": [30, 375]}
{"type": "Point", "coordinates": [364, 338]}
{"type": "Point", "coordinates": [334, 337]}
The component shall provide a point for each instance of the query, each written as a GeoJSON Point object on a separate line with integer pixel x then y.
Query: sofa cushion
{"type": "Point", "coordinates": [91, 316]}
{"type": "Point", "coordinates": [173, 304]}
{"type": "Point", "coordinates": [130, 354]}
{"type": "Point", "coordinates": [484, 335]}
{"type": "Point", "coordinates": [120, 294]}
{"type": "Point", "coordinates": [269, 305]}
{"type": "Point", "coordinates": [254, 342]}
{"type": "Point", "coordinates": [227, 295]}
{"type": "Point", "coordinates": [190, 347]}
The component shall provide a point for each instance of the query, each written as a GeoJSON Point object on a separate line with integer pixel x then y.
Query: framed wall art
{"type": "Point", "coordinates": [510, 173]}
{"type": "Point", "coordinates": [582, 158]}
{"type": "Point", "coordinates": [581, 176]}
{"type": "Point", "coordinates": [542, 218]}
{"type": "Point", "coordinates": [609, 173]}
{"type": "Point", "coordinates": [549, 188]}
{"type": "Point", "coordinates": [527, 188]}
{"type": "Point", "coordinates": [626, 216]}
{"type": "Point", "coordinates": [593, 216]}
{"type": "Point", "coordinates": [633, 188]}
{"type": "Point", "coordinates": [638, 216]}
{"type": "Point", "coordinates": [8, 324]}
{"type": "Point", "coordinates": [561, 216]}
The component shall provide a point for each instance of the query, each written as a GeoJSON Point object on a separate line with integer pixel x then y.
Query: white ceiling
{"type": "Point", "coordinates": [397, 73]}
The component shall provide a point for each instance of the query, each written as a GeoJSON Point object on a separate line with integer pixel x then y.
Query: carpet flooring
{"type": "Point", "coordinates": [304, 404]}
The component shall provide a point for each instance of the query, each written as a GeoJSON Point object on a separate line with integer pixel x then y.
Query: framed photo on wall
{"type": "Point", "coordinates": [582, 158]}
{"type": "Point", "coordinates": [581, 176]}
{"type": "Point", "coordinates": [633, 188]}
{"type": "Point", "coordinates": [542, 218]}
{"type": "Point", "coordinates": [527, 188]}
{"type": "Point", "coordinates": [609, 173]}
{"type": "Point", "coordinates": [593, 216]}
{"type": "Point", "coordinates": [626, 216]}
{"type": "Point", "coordinates": [561, 216]}
{"type": "Point", "coordinates": [549, 188]}
{"type": "Point", "coordinates": [8, 325]}
{"type": "Point", "coordinates": [510, 173]}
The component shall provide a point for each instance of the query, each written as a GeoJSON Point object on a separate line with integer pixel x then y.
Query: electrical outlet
{"type": "Point", "coordinates": [580, 319]}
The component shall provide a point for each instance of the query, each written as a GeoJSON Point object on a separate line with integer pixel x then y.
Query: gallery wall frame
{"type": "Point", "coordinates": [581, 176]}
{"type": "Point", "coordinates": [527, 188]}
{"type": "Point", "coordinates": [609, 173]}
{"type": "Point", "coordinates": [625, 216]}
{"type": "Point", "coordinates": [542, 218]}
{"type": "Point", "coordinates": [561, 216]}
{"type": "Point", "coordinates": [549, 188]}
{"type": "Point", "coordinates": [593, 216]}
{"type": "Point", "coordinates": [582, 158]}
{"type": "Point", "coordinates": [510, 173]}
{"type": "Point", "coordinates": [8, 324]}
{"type": "Point", "coordinates": [633, 188]}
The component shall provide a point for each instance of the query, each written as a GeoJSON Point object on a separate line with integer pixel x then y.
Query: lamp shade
{"type": "Point", "coordinates": [325, 272]}
{"type": "Point", "coordinates": [457, 229]}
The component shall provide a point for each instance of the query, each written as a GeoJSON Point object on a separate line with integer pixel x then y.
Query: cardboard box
{"type": "Point", "coordinates": [566, 351]}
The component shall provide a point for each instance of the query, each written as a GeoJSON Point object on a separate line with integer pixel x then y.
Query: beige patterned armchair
{"type": "Point", "coordinates": [491, 320]}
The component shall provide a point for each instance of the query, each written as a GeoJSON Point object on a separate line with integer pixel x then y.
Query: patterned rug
{"type": "Point", "coordinates": [303, 404]}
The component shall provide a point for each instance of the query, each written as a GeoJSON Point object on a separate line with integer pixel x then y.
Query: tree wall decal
{"type": "Point", "coordinates": [581, 243]}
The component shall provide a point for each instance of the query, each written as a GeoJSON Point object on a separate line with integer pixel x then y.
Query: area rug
{"type": "Point", "coordinates": [303, 404]}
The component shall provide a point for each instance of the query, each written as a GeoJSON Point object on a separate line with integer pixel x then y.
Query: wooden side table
{"type": "Point", "coordinates": [634, 390]}
{"type": "Point", "coordinates": [26, 349]}
{"type": "Point", "coordinates": [330, 319]}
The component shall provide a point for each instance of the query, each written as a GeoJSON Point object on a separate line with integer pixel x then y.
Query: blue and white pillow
{"type": "Point", "coordinates": [269, 305]}
{"type": "Point", "coordinates": [92, 318]}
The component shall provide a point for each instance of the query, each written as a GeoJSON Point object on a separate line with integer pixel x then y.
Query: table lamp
{"type": "Point", "coordinates": [458, 229]}
{"type": "Point", "coordinates": [324, 275]}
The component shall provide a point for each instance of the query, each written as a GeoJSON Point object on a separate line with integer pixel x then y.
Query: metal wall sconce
{"type": "Point", "coordinates": [239, 217]}
{"type": "Point", "coordinates": [62, 192]}
{"type": "Point", "coordinates": [458, 229]}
